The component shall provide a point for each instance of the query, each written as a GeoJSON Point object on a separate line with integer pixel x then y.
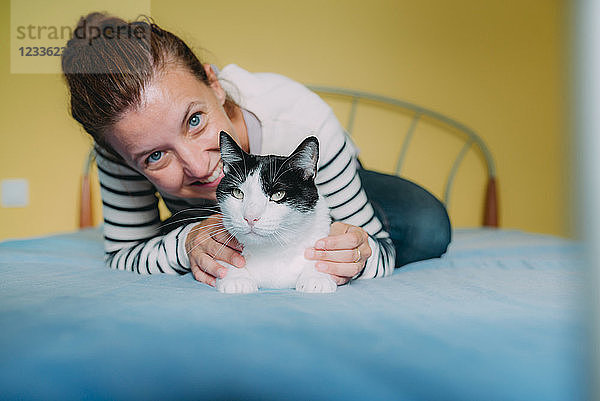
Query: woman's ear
{"type": "Point", "coordinates": [214, 84]}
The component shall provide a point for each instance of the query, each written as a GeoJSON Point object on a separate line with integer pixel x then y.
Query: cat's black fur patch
{"type": "Point", "coordinates": [294, 174]}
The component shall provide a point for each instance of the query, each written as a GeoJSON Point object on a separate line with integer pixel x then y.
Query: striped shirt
{"type": "Point", "coordinates": [130, 201]}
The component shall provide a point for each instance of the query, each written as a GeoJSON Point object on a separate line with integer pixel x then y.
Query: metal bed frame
{"type": "Point", "coordinates": [490, 210]}
{"type": "Point", "coordinates": [473, 140]}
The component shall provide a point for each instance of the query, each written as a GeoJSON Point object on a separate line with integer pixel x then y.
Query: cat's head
{"type": "Point", "coordinates": [265, 198]}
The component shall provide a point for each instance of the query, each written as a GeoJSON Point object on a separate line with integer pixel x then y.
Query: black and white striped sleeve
{"type": "Point", "coordinates": [339, 183]}
{"type": "Point", "coordinates": [131, 223]}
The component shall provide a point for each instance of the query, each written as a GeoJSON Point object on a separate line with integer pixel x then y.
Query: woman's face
{"type": "Point", "coordinates": [172, 138]}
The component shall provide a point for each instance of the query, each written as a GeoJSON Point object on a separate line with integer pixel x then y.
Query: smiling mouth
{"type": "Point", "coordinates": [216, 174]}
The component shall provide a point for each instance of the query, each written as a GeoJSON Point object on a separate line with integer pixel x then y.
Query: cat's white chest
{"type": "Point", "coordinates": [275, 266]}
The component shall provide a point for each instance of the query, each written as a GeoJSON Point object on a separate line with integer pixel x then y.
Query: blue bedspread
{"type": "Point", "coordinates": [497, 318]}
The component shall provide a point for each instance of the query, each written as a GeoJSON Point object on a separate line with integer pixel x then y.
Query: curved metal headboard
{"type": "Point", "coordinates": [490, 217]}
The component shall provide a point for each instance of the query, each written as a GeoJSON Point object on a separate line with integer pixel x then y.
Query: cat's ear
{"type": "Point", "coordinates": [306, 157]}
{"type": "Point", "coordinates": [231, 152]}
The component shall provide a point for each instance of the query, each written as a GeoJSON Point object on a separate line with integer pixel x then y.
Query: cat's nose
{"type": "Point", "coordinates": [251, 220]}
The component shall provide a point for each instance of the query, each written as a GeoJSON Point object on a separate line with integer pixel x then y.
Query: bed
{"type": "Point", "coordinates": [498, 317]}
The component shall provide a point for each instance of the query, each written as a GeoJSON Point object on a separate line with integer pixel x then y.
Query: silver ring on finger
{"type": "Point", "coordinates": [357, 256]}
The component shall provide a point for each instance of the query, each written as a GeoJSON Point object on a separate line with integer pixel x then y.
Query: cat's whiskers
{"type": "Point", "coordinates": [215, 209]}
{"type": "Point", "coordinates": [231, 236]}
{"type": "Point", "coordinates": [174, 220]}
{"type": "Point", "coordinates": [188, 252]}
{"type": "Point", "coordinates": [209, 230]}
{"type": "Point", "coordinates": [200, 240]}
{"type": "Point", "coordinates": [216, 223]}
{"type": "Point", "coordinates": [205, 227]}
{"type": "Point", "coordinates": [276, 235]}
{"type": "Point", "coordinates": [203, 236]}
{"type": "Point", "coordinates": [285, 229]}
{"type": "Point", "coordinates": [198, 219]}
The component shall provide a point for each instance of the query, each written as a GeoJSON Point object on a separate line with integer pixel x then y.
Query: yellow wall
{"type": "Point", "coordinates": [495, 65]}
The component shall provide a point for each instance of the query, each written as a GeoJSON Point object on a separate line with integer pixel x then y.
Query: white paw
{"type": "Point", "coordinates": [237, 285]}
{"type": "Point", "coordinates": [316, 283]}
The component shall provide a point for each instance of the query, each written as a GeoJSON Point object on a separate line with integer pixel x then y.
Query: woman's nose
{"type": "Point", "coordinates": [195, 163]}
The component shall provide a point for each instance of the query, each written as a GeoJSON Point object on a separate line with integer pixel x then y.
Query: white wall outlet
{"type": "Point", "coordinates": [14, 192]}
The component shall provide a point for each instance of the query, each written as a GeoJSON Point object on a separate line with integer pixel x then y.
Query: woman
{"type": "Point", "coordinates": [155, 113]}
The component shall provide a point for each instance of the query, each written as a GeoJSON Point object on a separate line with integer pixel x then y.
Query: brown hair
{"type": "Point", "coordinates": [108, 62]}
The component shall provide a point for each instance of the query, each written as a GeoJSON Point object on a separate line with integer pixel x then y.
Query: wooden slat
{"type": "Point", "coordinates": [85, 203]}
{"type": "Point", "coordinates": [490, 211]}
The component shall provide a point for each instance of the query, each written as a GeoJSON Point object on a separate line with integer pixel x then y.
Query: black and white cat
{"type": "Point", "coordinates": [271, 205]}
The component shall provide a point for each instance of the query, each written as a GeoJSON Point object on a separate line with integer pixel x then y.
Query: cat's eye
{"type": "Point", "coordinates": [237, 193]}
{"type": "Point", "coordinates": [277, 196]}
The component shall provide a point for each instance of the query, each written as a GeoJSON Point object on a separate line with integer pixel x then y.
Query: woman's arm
{"type": "Point", "coordinates": [340, 184]}
{"type": "Point", "coordinates": [131, 223]}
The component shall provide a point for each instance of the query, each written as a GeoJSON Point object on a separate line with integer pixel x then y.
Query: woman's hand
{"type": "Point", "coordinates": [208, 242]}
{"type": "Point", "coordinates": [343, 253]}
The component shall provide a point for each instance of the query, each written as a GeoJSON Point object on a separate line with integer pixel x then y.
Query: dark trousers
{"type": "Point", "coordinates": [417, 221]}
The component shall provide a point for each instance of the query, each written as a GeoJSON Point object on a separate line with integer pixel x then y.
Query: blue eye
{"type": "Point", "coordinates": [195, 120]}
{"type": "Point", "coordinates": [154, 157]}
